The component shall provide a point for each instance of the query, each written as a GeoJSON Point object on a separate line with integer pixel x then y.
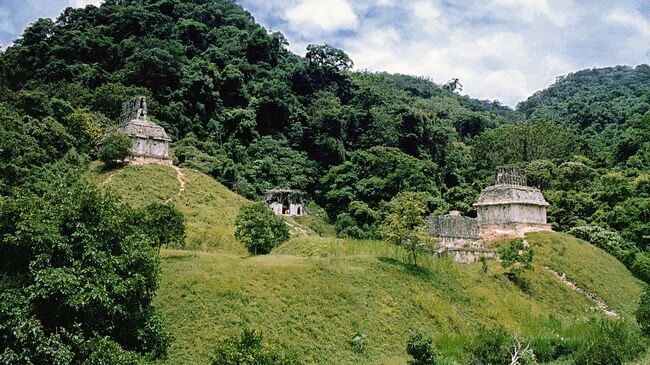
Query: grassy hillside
{"type": "Point", "coordinates": [311, 293]}
{"type": "Point", "coordinates": [209, 207]}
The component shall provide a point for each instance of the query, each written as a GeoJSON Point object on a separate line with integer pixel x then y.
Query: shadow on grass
{"type": "Point", "coordinates": [104, 168]}
{"type": "Point", "coordinates": [175, 258]}
{"type": "Point", "coordinates": [418, 271]}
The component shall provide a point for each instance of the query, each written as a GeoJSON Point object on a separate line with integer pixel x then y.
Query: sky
{"type": "Point", "coordinates": [499, 49]}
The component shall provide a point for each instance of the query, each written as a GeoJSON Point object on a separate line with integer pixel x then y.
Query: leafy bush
{"type": "Point", "coordinates": [248, 348]}
{"type": "Point", "coordinates": [359, 340]}
{"type": "Point", "coordinates": [104, 351]}
{"type": "Point", "coordinates": [517, 258]}
{"type": "Point", "coordinates": [643, 312]}
{"type": "Point", "coordinates": [259, 230]}
{"type": "Point", "coordinates": [552, 348]}
{"type": "Point", "coordinates": [420, 349]}
{"type": "Point", "coordinates": [609, 342]}
{"type": "Point", "coordinates": [116, 147]}
{"type": "Point", "coordinates": [641, 266]}
{"type": "Point", "coordinates": [610, 241]}
{"type": "Point", "coordinates": [165, 225]}
{"type": "Point", "coordinates": [404, 224]}
{"type": "Point", "coordinates": [491, 346]}
{"type": "Point", "coordinates": [77, 268]}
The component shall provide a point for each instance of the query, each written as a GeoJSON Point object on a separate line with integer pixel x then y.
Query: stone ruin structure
{"type": "Point", "coordinates": [150, 141]}
{"type": "Point", "coordinates": [459, 237]}
{"type": "Point", "coordinates": [509, 208]}
{"type": "Point", "coordinates": [285, 202]}
{"type": "Point", "coordinates": [454, 230]}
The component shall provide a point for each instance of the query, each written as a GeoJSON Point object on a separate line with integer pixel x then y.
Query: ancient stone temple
{"type": "Point", "coordinates": [510, 206]}
{"type": "Point", "coordinates": [285, 202]}
{"type": "Point", "coordinates": [150, 141]}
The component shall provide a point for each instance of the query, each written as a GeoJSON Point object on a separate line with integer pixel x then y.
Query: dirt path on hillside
{"type": "Point", "coordinates": [180, 176]}
{"type": "Point", "coordinates": [573, 285]}
{"type": "Point", "coordinates": [301, 231]}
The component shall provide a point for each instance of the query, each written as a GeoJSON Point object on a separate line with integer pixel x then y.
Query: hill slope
{"type": "Point", "coordinates": [209, 207]}
{"type": "Point", "coordinates": [312, 292]}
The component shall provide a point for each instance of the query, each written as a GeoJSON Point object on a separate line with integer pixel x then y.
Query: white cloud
{"type": "Point", "coordinates": [528, 10]}
{"type": "Point", "coordinates": [83, 3]}
{"type": "Point", "coordinates": [316, 16]}
{"type": "Point", "coordinates": [630, 18]}
{"type": "Point", "coordinates": [6, 25]}
{"type": "Point", "coordinates": [385, 2]}
{"type": "Point", "coordinates": [425, 9]}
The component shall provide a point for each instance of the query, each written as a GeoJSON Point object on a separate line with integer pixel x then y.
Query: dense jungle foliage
{"type": "Point", "coordinates": [245, 110]}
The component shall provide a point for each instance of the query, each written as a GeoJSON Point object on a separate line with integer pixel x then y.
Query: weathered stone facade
{"type": "Point", "coordinates": [150, 141]}
{"type": "Point", "coordinates": [285, 202]}
{"type": "Point", "coordinates": [510, 207]}
{"type": "Point", "coordinates": [454, 230]}
{"type": "Point", "coordinates": [467, 255]}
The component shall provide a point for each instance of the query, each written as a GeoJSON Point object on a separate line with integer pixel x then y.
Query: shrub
{"type": "Point", "coordinates": [248, 348]}
{"type": "Point", "coordinates": [552, 348]}
{"type": "Point", "coordinates": [82, 269]}
{"type": "Point", "coordinates": [259, 230]}
{"type": "Point", "coordinates": [103, 351]}
{"type": "Point", "coordinates": [491, 345]}
{"type": "Point", "coordinates": [609, 342]}
{"type": "Point", "coordinates": [643, 312]}
{"type": "Point", "coordinates": [405, 225]}
{"type": "Point", "coordinates": [165, 225]}
{"type": "Point", "coordinates": [610, 241]}
{"type": "Point", "coordinates": [641, 266]}
{"type": "Point", "coordinates": [359, 340]}
{"type": "Point", "coordinates": [517, 258]}
{"type": "Point", "coordinates": [420, 349]}
{"type": "Point", "coordinates": [116, 147]}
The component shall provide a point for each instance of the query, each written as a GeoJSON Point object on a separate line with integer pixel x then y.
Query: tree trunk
{"type": "Point", "coordinates": [414, 250]}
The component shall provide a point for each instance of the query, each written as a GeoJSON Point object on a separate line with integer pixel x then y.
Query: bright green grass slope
{"type": "Point", "coordinates": [209, 207]}
{"type": "Point", "coordinates": [311, 292]}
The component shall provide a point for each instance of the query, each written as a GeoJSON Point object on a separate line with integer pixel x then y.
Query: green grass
{"type": "Point", "coordinates": [309, 294]}
{"type": "Point", "coordinates": [209, 207]}
{"type": "Point", "coordinates": [595, 270]}
{"type": "Point", "coordinates": [312, 291]}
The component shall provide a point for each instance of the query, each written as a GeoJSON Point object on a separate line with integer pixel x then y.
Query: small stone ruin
{"type": "Point", "coordinates": [509, 208]}
{"type": "Point", "coordinates": [454, 230]}
{"type": "Point", "coordinates": [150, 141]}
{"type": "Point", "coordinates": [285, 202]}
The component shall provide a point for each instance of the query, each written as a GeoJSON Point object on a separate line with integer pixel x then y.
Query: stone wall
{"type": "Point", "coordinates": [510, 176]}
{"type": "Point", "coordinates": [512, 213]}
{"type": "Point", "coordinates": [149, 139]}
{"type": "Point", "coordinates": [467, 255]}
{"type": "Point", "coordinates": [136, 108]}
{"type": "Point", "coordinates": [149, 147]}
{"type": "Point", "coordinates": [453, 226]}
{"type": "Point", "coordinates": [454, 230]}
